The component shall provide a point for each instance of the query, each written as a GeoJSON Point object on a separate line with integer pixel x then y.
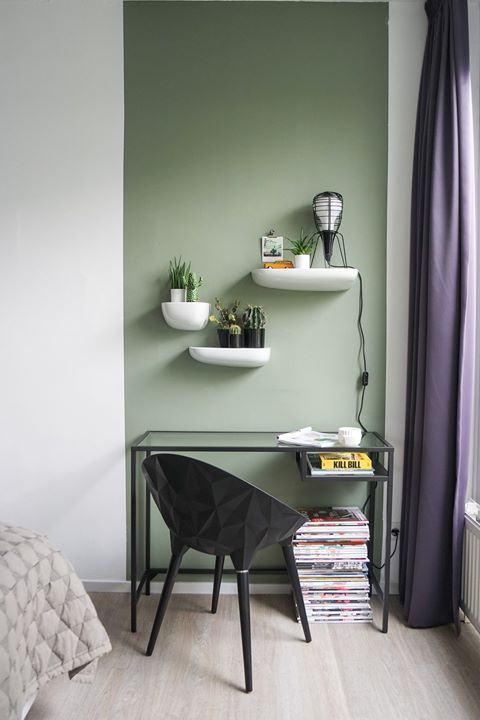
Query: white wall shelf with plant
{"type": "Point", "coordinates": [231, 357]}
{"type": "Point", "coordinates": [317, 279]}
{"type": "Point", "coordinates": [186, 315]}
{"type": "Point", "coordinates": [184, 312]}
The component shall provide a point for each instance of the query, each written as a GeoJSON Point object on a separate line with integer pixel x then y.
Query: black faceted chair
{"type": "Point", "coordinates": [210, 510]}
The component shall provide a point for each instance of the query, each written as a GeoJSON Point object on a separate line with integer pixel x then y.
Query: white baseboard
{"type": "Point", "coordinates": [229, 587]}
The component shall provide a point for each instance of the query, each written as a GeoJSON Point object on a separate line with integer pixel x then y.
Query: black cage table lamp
{"type": "Point", "coordinates": [327, 212]}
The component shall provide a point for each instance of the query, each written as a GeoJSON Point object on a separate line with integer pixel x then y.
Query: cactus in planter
{"type": "Point", "coordinates": [254, 317]}
{"type": "Point", "coordinates": [234, 333]}
{"type": "Point", "coordinates": [192, 283]}
{"type": "Point", "coordinates": [227, 315]}
{"type": "Point", "coordinates": [254, 320]}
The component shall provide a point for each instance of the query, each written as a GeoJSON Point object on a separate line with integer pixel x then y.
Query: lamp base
{"type": "Point", "coordinates": [328, 238]}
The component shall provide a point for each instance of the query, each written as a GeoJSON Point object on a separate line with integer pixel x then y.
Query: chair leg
{"type": "Point", "coordinates": [244, 606]}
{"type": "Point", "coordinates": [297, 590]}
{"type": "Point", "coordinates": [165, 597]}
{"type": "Point", "coordinates": [217, 581]}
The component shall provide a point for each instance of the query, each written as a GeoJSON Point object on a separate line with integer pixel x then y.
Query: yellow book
{"type": "Point", "coordinates": [345, 461]}
{"type": "Point", "coordinates": [279, 265]}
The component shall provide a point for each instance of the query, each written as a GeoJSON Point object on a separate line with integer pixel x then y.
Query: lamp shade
{"type": "Point", "coordinates": [327, 212]}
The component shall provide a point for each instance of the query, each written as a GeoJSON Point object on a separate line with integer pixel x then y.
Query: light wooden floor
{"type": "Point", "coordinates": [348, 672]}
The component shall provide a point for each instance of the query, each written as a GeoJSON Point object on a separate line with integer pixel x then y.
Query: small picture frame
{"type": "Point", "coordinates": [272, 248]}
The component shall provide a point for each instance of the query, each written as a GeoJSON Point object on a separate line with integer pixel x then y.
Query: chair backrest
{"type": "Point", "coordinates": [209, 509]}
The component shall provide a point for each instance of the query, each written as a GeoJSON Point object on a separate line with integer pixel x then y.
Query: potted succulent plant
{"type": "Point", "coordinates": [254, 319]}
{"type": "Point", "coordinates": [178, 270]}
{"type": "Point", "coordinates": [302, 249]}
{"type": "Point", "coordinates": [234, 336]}
{"type": "Point", "coordinates": [192, 283]}
{"type": "Point", "coordinates": [227, 316]}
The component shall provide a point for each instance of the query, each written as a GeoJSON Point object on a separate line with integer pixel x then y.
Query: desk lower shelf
{"type": "Point", "coordinates": [380, 473]}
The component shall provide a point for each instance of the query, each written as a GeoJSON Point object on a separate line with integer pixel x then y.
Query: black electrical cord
{"type": "Point", "coordinates": [397, 535]}
{"type": "Point", "coordinates": [363, 354]}
{"type": "Point", "coordinates": [364, 506]}
{"type": "Point", "coordinates": [380, 567]}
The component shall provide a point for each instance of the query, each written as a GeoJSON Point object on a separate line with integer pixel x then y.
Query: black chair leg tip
{"type": "Point", "coordinates": [150, 649]}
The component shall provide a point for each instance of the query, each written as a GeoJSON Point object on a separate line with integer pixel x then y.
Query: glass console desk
{"type": "Point", "coordinates": [154, 441]}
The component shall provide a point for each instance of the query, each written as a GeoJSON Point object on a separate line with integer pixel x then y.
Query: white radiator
{"type": "Point", "coordinates": [470, 597]}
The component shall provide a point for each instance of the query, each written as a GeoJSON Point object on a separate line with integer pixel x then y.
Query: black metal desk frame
{"type": "Point", "coordinates": [380, 450]}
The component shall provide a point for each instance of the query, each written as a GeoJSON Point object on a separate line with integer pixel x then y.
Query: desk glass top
{"type": "Point", "coordinates": [240, 441]}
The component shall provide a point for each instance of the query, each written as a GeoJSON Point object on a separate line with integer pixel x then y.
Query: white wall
{"type": "Point", "coordinates": [61, 280]}
{"type": "Point", "coordinates": [407, 34]}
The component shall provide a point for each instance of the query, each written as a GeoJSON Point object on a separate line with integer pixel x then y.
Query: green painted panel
{"type": "Point", "coordinates": [236, 115]}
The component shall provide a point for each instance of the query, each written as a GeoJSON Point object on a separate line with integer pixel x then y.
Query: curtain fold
{"type": "Point", "coordinates": [441, 324]}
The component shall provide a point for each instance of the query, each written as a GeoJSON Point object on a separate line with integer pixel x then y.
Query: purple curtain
{"type": "Point", "coordinates": [441, 340]}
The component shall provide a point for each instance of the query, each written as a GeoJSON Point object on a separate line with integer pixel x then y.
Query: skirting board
{"type": "Point", "coordinates": [198, 588]}
{"type": "Point", "coordinates": [189, 588]}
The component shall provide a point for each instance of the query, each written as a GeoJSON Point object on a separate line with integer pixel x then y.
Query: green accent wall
{"type": "Point", "coordinates": [236, 115]}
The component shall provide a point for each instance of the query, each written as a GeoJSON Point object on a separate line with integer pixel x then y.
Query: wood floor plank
{"type": "Point", "coordinates": [348, 672]}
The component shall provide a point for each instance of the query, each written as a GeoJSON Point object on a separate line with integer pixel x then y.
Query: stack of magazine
{"type": "Point", "coordinates": [332, 560]}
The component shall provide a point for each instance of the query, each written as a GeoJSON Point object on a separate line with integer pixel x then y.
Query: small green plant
{"type": "Point", "coordinates": [305, 244]}
{"type": "Point", "coordinates": [192, 283]}
{"type": "Point", "coordinates": [178, 270]}
{"type": "Point", "coordinates": [227, 315]}
{"type": "Point", "coordinates": [254, 317]}
{"type": "Point", "coordinates": [235, 330]}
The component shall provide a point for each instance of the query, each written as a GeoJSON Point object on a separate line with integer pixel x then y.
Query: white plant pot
{"type": "Point", "coordinates": [177, 295]}
{"type": "Point", "coordinates": [302, 262]}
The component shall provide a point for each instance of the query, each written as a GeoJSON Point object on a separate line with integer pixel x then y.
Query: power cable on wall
{"type": "Point", "coordinates": [363, 353]}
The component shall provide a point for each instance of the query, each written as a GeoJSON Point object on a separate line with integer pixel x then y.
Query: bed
{"type": "Point", "coordinates": [48, 624]}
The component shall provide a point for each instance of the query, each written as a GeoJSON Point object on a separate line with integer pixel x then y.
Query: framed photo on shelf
{"type": "Point", "coordinates": [272, 248]}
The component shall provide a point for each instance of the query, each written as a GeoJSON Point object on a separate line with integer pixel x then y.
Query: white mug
{"type": "Point", "coordinates": [349, 436]}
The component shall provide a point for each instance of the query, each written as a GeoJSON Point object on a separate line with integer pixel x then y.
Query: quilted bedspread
{"type": "Point", "coordinates": [48, 624]}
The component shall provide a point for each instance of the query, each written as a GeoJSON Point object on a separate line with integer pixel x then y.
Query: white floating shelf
{"type": "Point", "coordinates": [232, 357]}
{"type": "Point", "coordinates": [326, 279]}
{"type": "Point", "coordinates": [186, 315]}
